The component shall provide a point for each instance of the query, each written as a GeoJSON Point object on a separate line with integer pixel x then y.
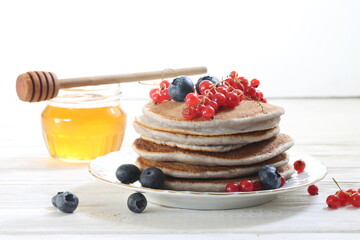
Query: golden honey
{"type": "Point", "coordinates": [79, 125]}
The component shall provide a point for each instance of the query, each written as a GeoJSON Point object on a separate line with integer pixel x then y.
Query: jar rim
{"type": "Point", "coordinates": [88, 96]}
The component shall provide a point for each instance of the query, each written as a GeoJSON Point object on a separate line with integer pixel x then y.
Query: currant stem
{"type": "Point", "coordinates": [337, 184]}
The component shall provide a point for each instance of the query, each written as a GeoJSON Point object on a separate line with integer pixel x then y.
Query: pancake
{"type": "Point", "coordinates": [169, 138]}
{"type": "Point", "coordinates": [249, 154]}
{"type": "Point", "coordinates": [202, 148]}
{"type": "Point", "coordinates": [215, 185]}
{"type": "Point", "coordinates": [184, 170]}
{"type": "Point", "coordinates": [248, 116]}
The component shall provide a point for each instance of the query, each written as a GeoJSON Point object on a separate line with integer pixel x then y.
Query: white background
{"type": "Point", "coordinates": [296, 48]}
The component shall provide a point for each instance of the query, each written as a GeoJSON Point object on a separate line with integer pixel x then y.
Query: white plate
{"type": "Point", "coordinates": [104, 168]}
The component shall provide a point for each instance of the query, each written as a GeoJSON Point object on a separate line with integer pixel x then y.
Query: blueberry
{"type": "Point", "coordinates": [210, 78]}
{"type": "Point", "coordinates": [67, 202]}
{"type": "Point", "coordinates": [127, 173]}
{"type": "Point", "coordinates": [152, 177]}
{"type": "Point", "coordinates": [137, 202]}
{"type": "Point", "coordinates": [269, 177]}
{"type": "Point", "coordinates": [53, 199]}
{"type": "Point", "coordinates": [180, 87]}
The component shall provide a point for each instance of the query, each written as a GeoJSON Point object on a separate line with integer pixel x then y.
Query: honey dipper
{"type": "Point", "coordinates": [39, 85]}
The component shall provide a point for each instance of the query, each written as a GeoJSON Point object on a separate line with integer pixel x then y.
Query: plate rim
{"type": "Point", "coordinates": [222, 194]}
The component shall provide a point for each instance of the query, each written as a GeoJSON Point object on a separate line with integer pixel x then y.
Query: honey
{"type": "Point", "coordinates": [81, 125]}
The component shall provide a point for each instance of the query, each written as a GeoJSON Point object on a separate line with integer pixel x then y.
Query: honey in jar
{"type": "Point", "coordinates": [84, 123]}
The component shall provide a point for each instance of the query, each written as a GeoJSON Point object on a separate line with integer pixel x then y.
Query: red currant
{"type": "Point", "coordinates": [222, 89]}
{"type": "Point", "coordinates": [153, 91]}
{"type": "Point", "coordinates": [229, 82]}
{"type": "Point", "coordinates": [157, 97]}
{"type": "Point", "coordinates": [255, 83]}
{"type": "Point", "coordinates": [313, 190]}
{"type": "Point", "coordinates": [264, 100]}
{"type": "Point", "coordinates": [257, 186]}
{"type": "Point", "coordinates": [191, 99]}
{"type": "Point", "coordinates": [244, 82]}
{"type": "Point", "coordinates": [355, 200]}
{"type": "Point", "coordinates": [246, 186]}
{"type": "Point", "coordinates": [205, 85]}
{"type": "Point", "coordinates": [299, 165]}
{"type": "Point", "coordinates": [283, 181]}
{"type": "Point", "coordinates": [165, 94]}
{"type": "Point", "coordinates": [199, 109]}
{"type": "Point", "coordinates": [164, 84]}
{"type": "Point", "coordinates": [238, 86]}
{"type": "Point", "coordinates": [250, 92]}
{"type": "Point", "coordinates": [208, 112]}
{"type": "Point", "coordinates": [344, 197]}
{"type": "Point", "coordinates": [220, 99]}
{"type": "Point", "coordinates": [214, 105]}
{"type": "Point", "coordinates": [203, 99]}
{"type": "Point", "coordinates": [259, 95]}
{"type": "Point", "coordinates": [189, 113]}
{"type": "Point", "coordinates": [232, 99]}
{"type": "Point", "coordinates": [351, 191]}
{"type": "Point", "coordinates": [232, 187]}
{"type": "Point", "coordinates": [233, 75]}
{"type": "Point", "coordinates": [333, 201]}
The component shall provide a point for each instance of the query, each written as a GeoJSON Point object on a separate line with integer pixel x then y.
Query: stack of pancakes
{"type": "Point", "coordinates": [205, 155]}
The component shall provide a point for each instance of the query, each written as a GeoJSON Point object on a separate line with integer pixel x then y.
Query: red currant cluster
{"type": "Point", "coordinates": [248, 186]}
{"type": "Point", "coordinates": [343, 198]}
{"type": "Point", "coordinates": [227, 93]}
{"type": "Point", "coordinates": [160, 94]}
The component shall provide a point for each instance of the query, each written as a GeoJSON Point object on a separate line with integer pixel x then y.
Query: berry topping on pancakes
{"type": "Point", "coordinates": [211, 95]}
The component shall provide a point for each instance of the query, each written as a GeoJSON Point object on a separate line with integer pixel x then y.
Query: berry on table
{"type": "Point", "coordinates": [299, 165]}
{"type": "Point", "coordinates": [67, 202]}
{"type": "Point", "coordinates": [333, 201]}
{"type": "Point", "coordinates": [269, 177]}
{"type": "Point", "coordinates": [246, 186]}
{"type": "Point", "coordinates": [232, 187]}
{"type": "Point", "coordinates": [127, 173]}
{"type": "Point", "coordinates": [344, 197]}
{"type": "Point", "coordinates": [351, 191]}
{"type": "Point", "coordinates": [53, 199]}
{"type": "Point", "coordinates": [313, 190]}
{"type": "Point", "coordinates": [355, 200]}
{"type": "Point", "coordinates": [137, 202]}
{"type": "Point", "coordinates": [152, 177]}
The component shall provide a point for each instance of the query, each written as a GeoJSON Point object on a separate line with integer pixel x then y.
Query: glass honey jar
{"type": "Point", "coordinates": [83, 123]}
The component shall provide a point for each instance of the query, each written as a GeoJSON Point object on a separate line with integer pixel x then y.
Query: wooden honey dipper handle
{"type": "Point", "coordinates": [39, 86]}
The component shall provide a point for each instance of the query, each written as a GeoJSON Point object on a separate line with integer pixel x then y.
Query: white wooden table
{"type": "Point", "coordinates": [328, 129]}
